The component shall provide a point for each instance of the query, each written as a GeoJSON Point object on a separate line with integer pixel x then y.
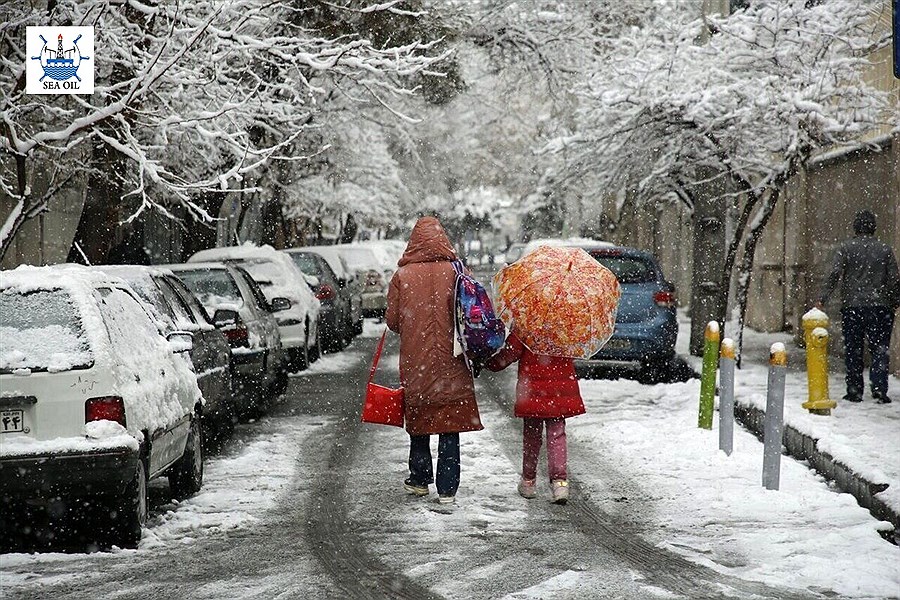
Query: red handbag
{"type": "Point", "coordinates": [383, 405]}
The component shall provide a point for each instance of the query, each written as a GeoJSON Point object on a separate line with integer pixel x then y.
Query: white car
{"type": "Point", "coordinates": [369, 267]}
{"type": "Point", "coordinates": [94, 401]}
{"type": "Point", "coordinates": [297, 308]}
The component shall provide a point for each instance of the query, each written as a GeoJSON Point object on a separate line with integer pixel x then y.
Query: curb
{"type": "Point", "coordinates": [804, 447]}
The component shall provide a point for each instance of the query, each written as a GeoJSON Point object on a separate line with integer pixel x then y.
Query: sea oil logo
{"type": "Point", "coordinates": [59, 60]}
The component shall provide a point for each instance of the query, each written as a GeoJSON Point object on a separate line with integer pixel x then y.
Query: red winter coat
{"type": "Point", "coordinates": [439, 391]}
{"type": "Point", "coordinates": [547, 387]}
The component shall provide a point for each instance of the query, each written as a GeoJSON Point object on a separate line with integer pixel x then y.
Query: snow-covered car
{"type": "Point", "coordinates": [369, 271]}
{"type": "Point", "coordinates": [237, 306]}
{"type": "Point", "coordinates": [175, 308]}
{"type": "Point", "coordinates": [94, 401]}
{"type": "Point", "coordinates": [346, 279]}
{"type": "Point", "coordinates": [335, 318]}
{"type": "Point", "coordinates": [295, 305]}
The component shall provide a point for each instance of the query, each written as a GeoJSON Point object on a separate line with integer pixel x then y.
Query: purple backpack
{"type": "Point", "coordinates": [480, 333]}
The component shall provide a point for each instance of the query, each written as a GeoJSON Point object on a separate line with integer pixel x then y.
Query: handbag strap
{"type": "Point", "coordinates": [377, 356]}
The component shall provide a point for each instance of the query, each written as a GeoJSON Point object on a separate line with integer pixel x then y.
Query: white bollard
{"type": "Point", "coordinates": [726, 396]}
{"type": "Point", "coordinates": [774, 426]}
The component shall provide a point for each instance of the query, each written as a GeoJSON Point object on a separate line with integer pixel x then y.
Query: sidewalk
{"type": "Point", "coordinates": [857, 447]}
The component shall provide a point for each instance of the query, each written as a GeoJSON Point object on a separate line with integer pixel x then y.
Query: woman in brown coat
{"type": "Point", "coordinates": [439, 391]}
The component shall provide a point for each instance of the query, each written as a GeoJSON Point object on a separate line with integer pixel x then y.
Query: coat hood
{"type": "Point", "coordinates": [427, 243]}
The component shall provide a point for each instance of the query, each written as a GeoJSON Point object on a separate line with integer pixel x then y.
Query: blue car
{"type": "Point", "coordinates": [646, 327]}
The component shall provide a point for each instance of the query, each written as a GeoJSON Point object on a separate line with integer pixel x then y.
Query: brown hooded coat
{"type": "Point", "coordinates": [439, 391]}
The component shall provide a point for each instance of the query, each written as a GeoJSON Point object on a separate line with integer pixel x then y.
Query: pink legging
{"type": "Point", "coordinates": [556, 447]}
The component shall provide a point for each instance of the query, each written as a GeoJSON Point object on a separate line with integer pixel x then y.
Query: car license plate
{"type": "Point", "coordinates": [618, 344]}
{"type": "Point", "coordinates": [11, 421]}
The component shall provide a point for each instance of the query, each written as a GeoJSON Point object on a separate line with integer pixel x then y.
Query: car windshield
{"type": "Point", "coordinates": [212, 287]}
{"type": "Point", "coordinates": [306, 263]}
{"type": "Point", "coordinates": [42, 331]}
{"type": "Point", "coordinates": [627, 269]}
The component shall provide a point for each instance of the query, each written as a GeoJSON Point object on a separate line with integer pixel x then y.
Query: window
{"type": "Point", "coordinates": [212, 286]}
{"type": "Point", "coordinates": [189, 299]}
{"type": "Point", "coordinates": [627, 269]}
{"type": "Point", "coordinates": [183, 317]}
{"type": "Point", "coordinates": [42, 331]}
{"type": "Point", "coordinates": [254, 289]}
{"type": "Point", "coordinates": [307, 263]}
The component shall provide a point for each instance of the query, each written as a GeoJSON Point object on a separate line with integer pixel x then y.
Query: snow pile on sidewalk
{"type": "Point", "coordinates": [713, 508]}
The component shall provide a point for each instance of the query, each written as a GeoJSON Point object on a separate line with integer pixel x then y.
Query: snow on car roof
{"type": "Point", "coordinates": [284, 280]}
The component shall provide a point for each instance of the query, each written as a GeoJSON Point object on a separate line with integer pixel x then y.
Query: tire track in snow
{"type": "Point", "coordinates": [619, 532]}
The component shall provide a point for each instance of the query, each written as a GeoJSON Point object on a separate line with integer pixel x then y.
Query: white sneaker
{"type": "Point", "coordinates": [560, 489]}
{"type": "Point", "coordinates": [528, 488]}
{"type": "Point", "coordinates": [415, 489]}
{"type": "Point", "coordinates": [446, 499]}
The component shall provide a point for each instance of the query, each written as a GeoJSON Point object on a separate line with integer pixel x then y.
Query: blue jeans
{"type": "Point", "coordinates": [421, 468]}
{"type": "Point", "coordinates": [872, 323]}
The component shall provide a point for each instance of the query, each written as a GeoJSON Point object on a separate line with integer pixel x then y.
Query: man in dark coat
{"type": "Point", "coordinates": [870, 293]}
{"type": "Point", "coordinates": [439, 392]}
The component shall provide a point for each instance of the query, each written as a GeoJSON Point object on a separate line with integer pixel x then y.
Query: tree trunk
{"type": "Point", "coordinates": [709, 288]}
{"type": "Point", "coordinates": [745, 273]}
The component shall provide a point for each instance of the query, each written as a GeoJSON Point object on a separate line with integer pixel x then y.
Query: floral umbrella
{"type": "Point", "coordinates": [561, 301]}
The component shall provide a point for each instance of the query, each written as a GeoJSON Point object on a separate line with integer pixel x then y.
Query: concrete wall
{"type": "Point", "coordinates": [795, 253]}
{"type": "Point", "coordinates": [47, 238]}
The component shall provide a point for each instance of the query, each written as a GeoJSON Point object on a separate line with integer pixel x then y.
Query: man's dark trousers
{"type": "Point", "coordinates": [872, 323]}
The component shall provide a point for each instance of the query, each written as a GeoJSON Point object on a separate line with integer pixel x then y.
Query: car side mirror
{"type": "Point", "coordinates": [225, 316]}
{"type": "Point", "coordinates": [181, 341]}
{"type": "Point", "coordinates": [279, 304]}
{"type": "Point", "coordinates": [312, 280]}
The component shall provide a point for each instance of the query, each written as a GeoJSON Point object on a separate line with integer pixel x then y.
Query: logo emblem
{"type": "Point", "coordinates": [59, 60]}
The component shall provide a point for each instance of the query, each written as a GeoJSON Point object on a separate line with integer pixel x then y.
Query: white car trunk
{"type": "Point", "coordinates": [51, 405]}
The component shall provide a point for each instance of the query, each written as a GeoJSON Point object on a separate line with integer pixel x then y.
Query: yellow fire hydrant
{"type": "Point", "coordinates": [815, 334]}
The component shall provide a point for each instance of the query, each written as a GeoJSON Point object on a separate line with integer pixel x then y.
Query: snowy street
{"type": "Point", "coordinates": [308, 503]}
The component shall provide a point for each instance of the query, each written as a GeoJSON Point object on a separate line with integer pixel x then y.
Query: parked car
{"type": "Point", "coordinates": [175, 308]}
{"type": "Point", "coordinates": [295, 305]}
{"type": "Point", "coordinates": [237, 307]}
{"type": "Point", "coordinates": [646, 326]}
{"type": "Point", "coordinates": [94, 401]}
{"type": "Point", "coordinates": [346, 279]}
{"type": "Point", "coordinates": [369, 272]}
{"type": "Point", "coordinates": [335, 316]}
{"type": "Point", "coordinates": [388, 252]}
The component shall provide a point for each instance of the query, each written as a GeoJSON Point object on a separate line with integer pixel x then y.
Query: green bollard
{"type": "Point", "coordinates": [708, 377]}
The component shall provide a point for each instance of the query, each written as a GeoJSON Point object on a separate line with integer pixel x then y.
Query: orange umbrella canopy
{"type": "Point", "coordinates": [561, 301]}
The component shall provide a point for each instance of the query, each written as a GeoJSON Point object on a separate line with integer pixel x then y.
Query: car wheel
{"type": "Point", "coordinates": [129, 511]}
{"type": "Point", "coordinates": [186, 475]}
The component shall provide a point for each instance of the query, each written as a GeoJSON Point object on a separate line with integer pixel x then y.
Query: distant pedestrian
{"type": "Point", "coordinates": [546, 394]}
{"type": "Point", "coordinates": [866, 269]}
{"type": "Point", "coordinates": [439, 389]}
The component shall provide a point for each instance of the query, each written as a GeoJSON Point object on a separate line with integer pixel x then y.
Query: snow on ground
{"type": "Point", "coordinates": [373, 328]}
{"type": "Point", "coordinates": [331, 363]}
{"type": "Point", "coordinates": [238, 489]}
{"type": "Point", "coordinates": [864, 436]}
{"type": "Point", "coordinates": [714, 508]}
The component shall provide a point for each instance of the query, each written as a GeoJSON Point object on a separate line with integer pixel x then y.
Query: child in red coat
{"type": "Point", "coordinates": [546, 393]}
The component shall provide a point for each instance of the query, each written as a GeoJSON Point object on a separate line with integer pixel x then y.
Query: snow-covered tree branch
{"type": "Point", "coordinates": [192, 97]}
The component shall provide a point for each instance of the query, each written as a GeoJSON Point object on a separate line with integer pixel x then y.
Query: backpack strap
{"type": "Point", "coordinates": [377, 356]}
